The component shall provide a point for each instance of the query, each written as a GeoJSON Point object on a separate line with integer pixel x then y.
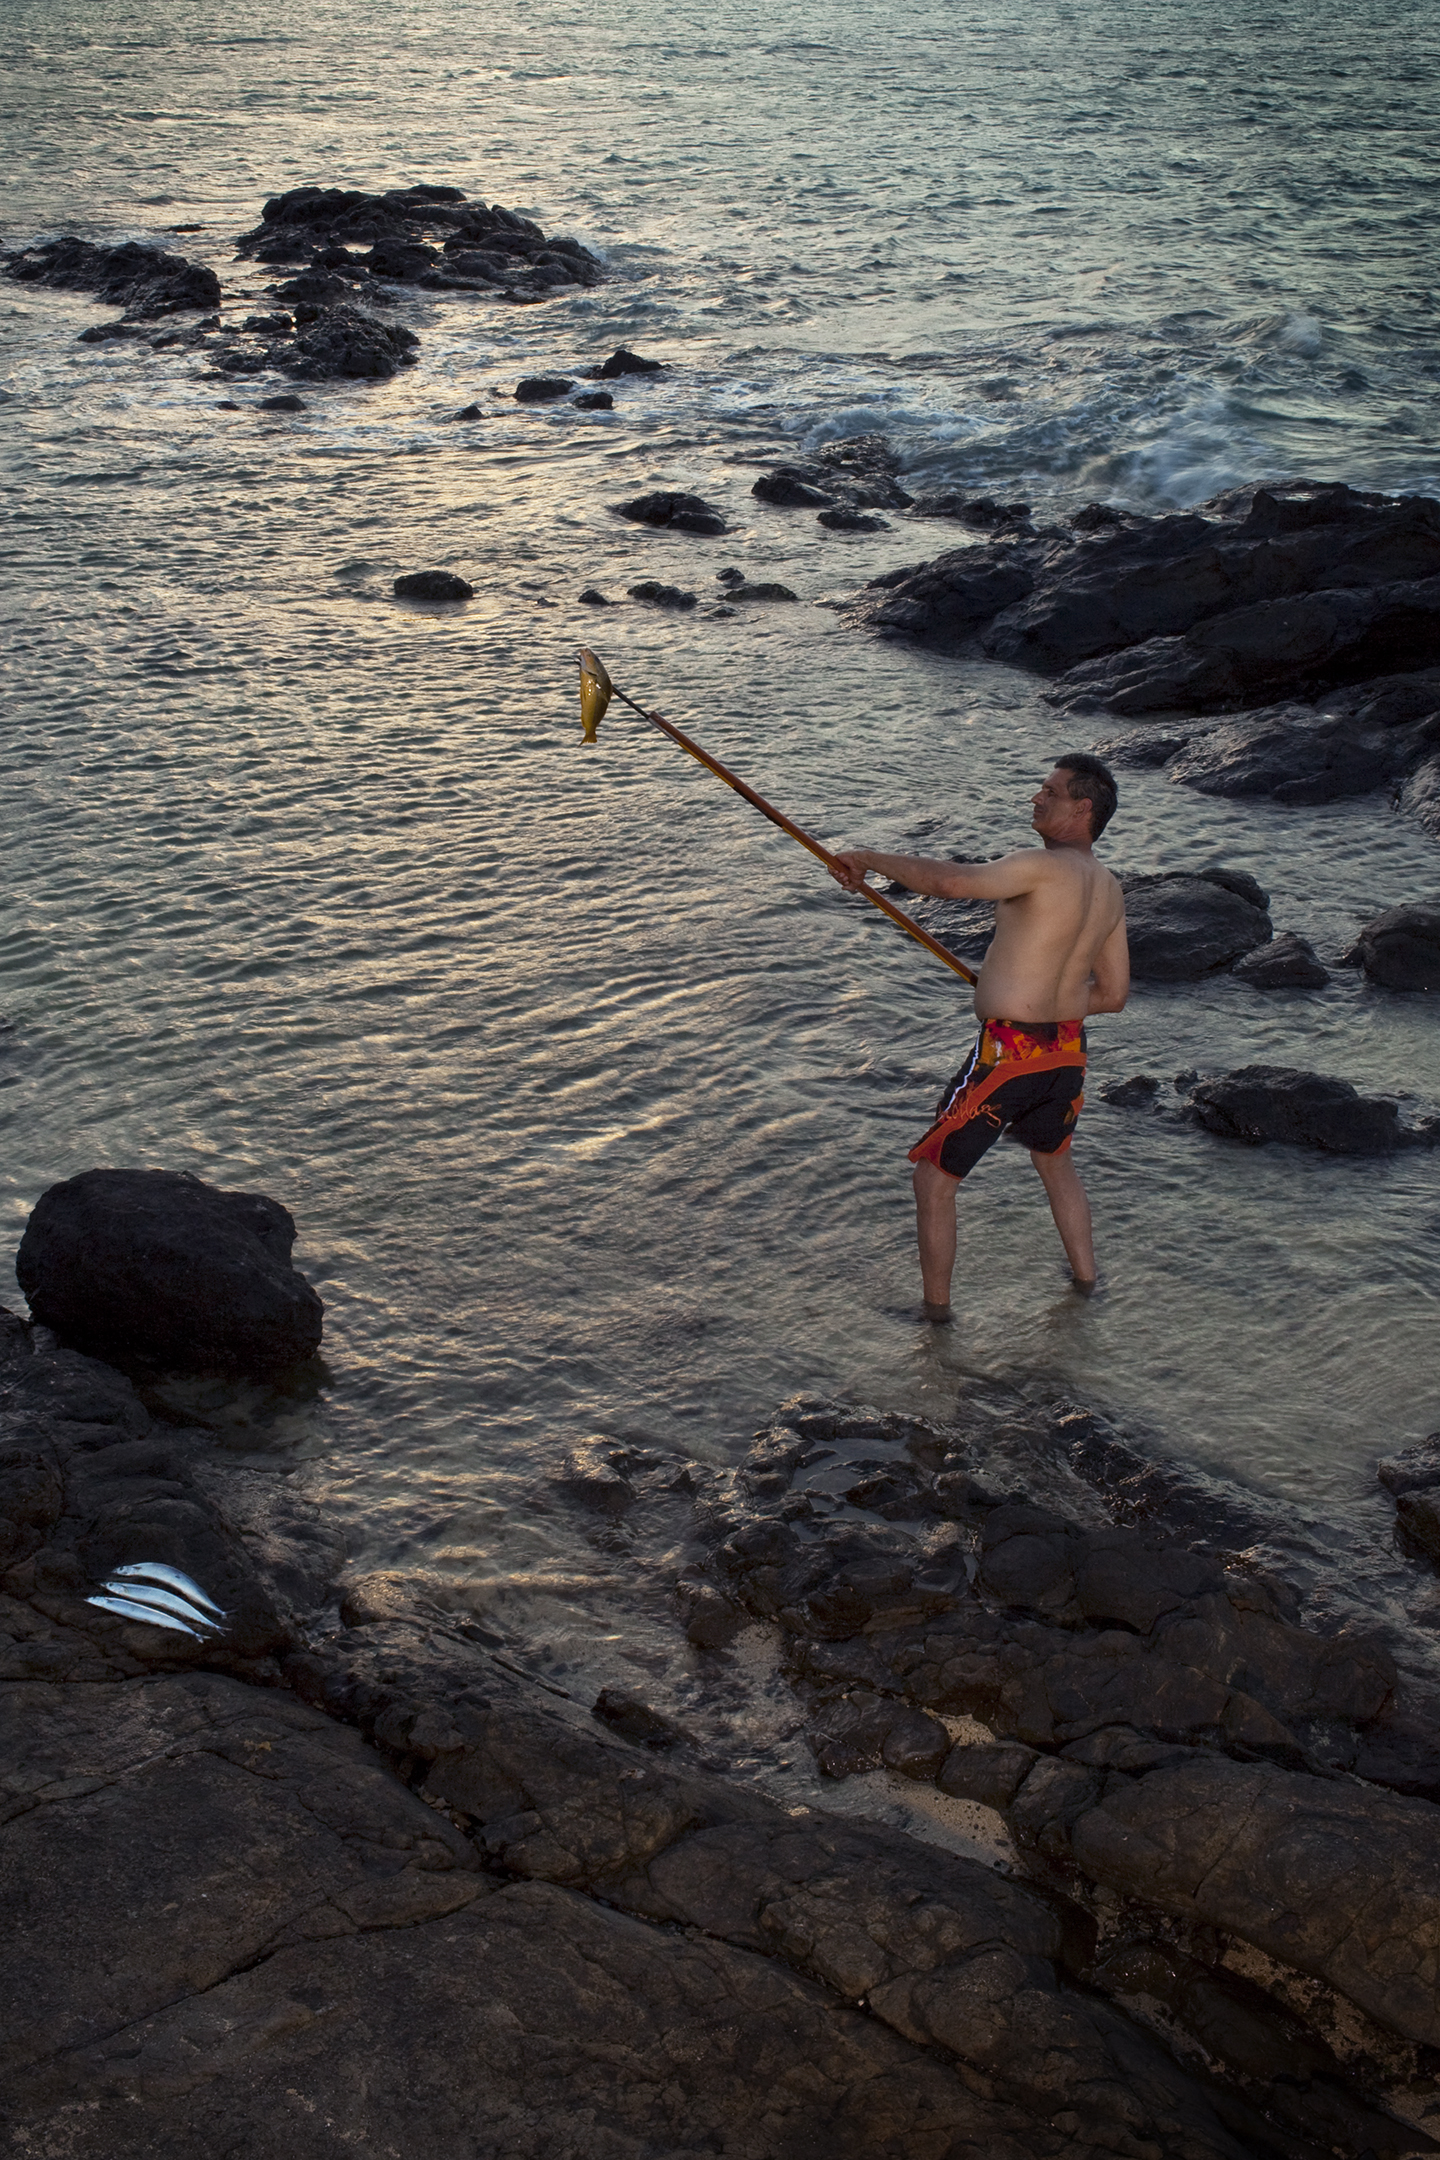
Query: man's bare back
{"type": "Point", "coordinates": [1058, 955]}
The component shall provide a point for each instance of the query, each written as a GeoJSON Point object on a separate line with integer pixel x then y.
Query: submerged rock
{"type": "Point", "coordinates": [595, 401]}
{"type": "Point", "coordinates": [1401, 948]}
{"type": "Point", "coordinates": [542, 389]}
{"type": "Point", "coordinates": [668, 596]}
{"type": "Point", "coordinates": [674, 509]}
{"type": "Point", "coordinates": [155, 1265]}
{"type": "Point", "coordinates": [624, 362]}
{"type": "Point", "coordinates": [855, 521]}
{"type": "Point", "coordinates": [1277, 1102]}
{"type": "Point", "coordinates": [1288, 962]}
{"type": "Point", "coordinates": [1182, 926]}
{"type": "Point", "coordinates": [856, 473]}
{"type": "Point", "coordinates": [432, 585]}
{"type": "Point", "coordinates": [981, 511]}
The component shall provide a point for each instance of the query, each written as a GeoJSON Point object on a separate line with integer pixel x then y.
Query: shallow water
{"type": "Point", "coordinates": [590, 1093]}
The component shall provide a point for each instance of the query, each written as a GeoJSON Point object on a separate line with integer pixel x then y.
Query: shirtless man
{"type": "Point", "coordinates": [1058, 955]}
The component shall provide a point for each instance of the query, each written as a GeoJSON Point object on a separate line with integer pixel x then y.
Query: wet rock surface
{"type": "Point", "coordinates": [146, 282]}
{"type": "Point", "coordinates": [1163, 1723]}
{"type": "Point", "coordinates": [1181, 926]}
{"type": "Point", "coordinates": [1312, 610]}
{"type": "Point", "coordinates": [672, 508]}
{"type": "Point", "coordinates": [156, 1266]}
{"type": "Point", "coordinates": [393, 1894]}
{"type": "Point", "coordinates": [396, 1890]}
{"type": "Point", "coordinates": [1288, 962]}
{"type": "Point", "coordinates": [344, 249]}
{"type": "Point", "coordinates": [1400, 949]}
{"type": "Point", "coordinates": [856, 473]}
{"type": "Point", "coordinates": [432, 585]}
{"type": "Point", "coordinates": [1276, 1102]}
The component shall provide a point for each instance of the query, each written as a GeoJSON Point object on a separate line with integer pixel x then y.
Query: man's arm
{"type": "Point", "coordinates": [1002, 880]}
{"type": "Point", "coordinates": [1110, 976]}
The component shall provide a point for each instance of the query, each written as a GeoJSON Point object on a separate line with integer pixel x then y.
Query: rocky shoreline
{"type": "Point", "coordinates": [341, 1871]}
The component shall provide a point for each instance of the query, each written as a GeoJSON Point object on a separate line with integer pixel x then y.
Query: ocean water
{"type": "Point", "coordinates": [589, 1092]}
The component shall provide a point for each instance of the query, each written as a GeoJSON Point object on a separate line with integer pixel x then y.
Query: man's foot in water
{"type": "Point", "coordinates": [1086, 1286]}
{"type": "Point", "coordinates": [937, 1315]}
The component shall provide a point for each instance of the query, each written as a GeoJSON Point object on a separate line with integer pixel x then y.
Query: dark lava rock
{"type": "Point", "coordinates": [623, 362]}
{"type": "Point", "coordinates": [1318, 604]}
{"type": "Point", "coordinates": [1401, 948]}
{"type": "Point", "coordinates": [766, 589]}
{"type": "Point", "coordinates": [316, 289]}
{"type": "Point", "coordinates": [1277, 1102]}
{"type": "Point", "coordinates": [1414, 1469]}
{"type": "Point", "coordinates": [991, 1772]}
{"type": "Point", "coordinates": [1182, 926]}
{"type": "Point", "coordinates": [858, 521]}
{"type": "Point", "coordinates": [348, 341]}
{"type": "Point", "coordinates": [144, 281]}
{"type": "Point", "coordinates": [595, 401]}
{"type": "Point", "coordinates": [285, 401]}
{"type": "Point", "coordinates": [788, 488]}
{"type": "Point", "coordinates": [592, 598]}
{"type": "Point", "coordinates": [479, 244]}
{"type": "Point", "coordinates": [863, 1731]}
{"type": "Point", "coordinates": [1162, 1726]}
{"type": "Point", "coordinates": [1136, 1093]}
{"type": "Point", "coordinates": [980, 511]}
{"type": "Point", "coordinates": [277, 325]}
{"type": "Point", "coordinates": [155, 1265]}
{"type": "Point", "coordinates": [469, 412]}
{"type": "Point", "coordinates": [432, 585]}
{"type": "Point", "coordinates": [856, 473]}
{"type": "Point", "coordinates": [542, 389]}
{"type": "Point", "coordinates": [627, 1714]}
{"type": "Point", "coordinates": [667, 507]}
{"type": "Point", "coordinates": [670, 596]}
{"type": "Point", "coordinates": [1288, 962]}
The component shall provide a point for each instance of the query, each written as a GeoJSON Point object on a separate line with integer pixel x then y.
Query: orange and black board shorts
{"type": "Point", "coordinates": [1027, 1078]}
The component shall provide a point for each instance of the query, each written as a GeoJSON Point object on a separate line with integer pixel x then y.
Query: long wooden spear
{"type": "Point", "coordinates": [596, 691]}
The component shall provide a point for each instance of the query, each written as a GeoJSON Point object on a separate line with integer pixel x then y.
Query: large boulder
{"type": "Point", "coordinates": [154, 1265]}
{"type": "Point", "coordinates": [1401, 948]}
{"type": "Point", "coordinates": [1278, 1102]}
{"type": "Point", "coordinates": [1182, 926]}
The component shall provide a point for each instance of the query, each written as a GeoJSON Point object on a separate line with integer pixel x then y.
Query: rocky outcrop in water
{"type": "Point", "coordinates": [153, 1265]}
{"type": "Point", "coordinates": [432, 237]}
{"type": "Point", "coordinates": [673, 509]}
{"type": "Point", "coordinates": [1288, 962]}
{"type": "Point", "coordinates": [145, 281]}
{"type": "Point", "coordinates": [1276, 1102]}
{"type": "Point", "coordinates": [1313, 610]}
{"type": "Point", "coordinates": [347, 250]}
{"type": "Point", "coordinates": [432, 585]}
{"type": "Point", "coordinates": [856, 473]}
{"type": "Point", "coordinates": [1401, 948]}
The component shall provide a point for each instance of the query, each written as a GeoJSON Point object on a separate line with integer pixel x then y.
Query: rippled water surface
{"type": "Point", "coordinates": [591, 1095]}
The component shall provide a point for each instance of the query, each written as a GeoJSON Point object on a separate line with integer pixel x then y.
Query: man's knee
{"type": "Point", "coordinates": [931, 1182]}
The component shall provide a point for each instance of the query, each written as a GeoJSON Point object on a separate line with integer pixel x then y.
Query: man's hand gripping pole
{"type": "Point", "coordinates": [596, 691]}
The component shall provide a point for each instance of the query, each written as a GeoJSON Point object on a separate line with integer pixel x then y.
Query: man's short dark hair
{"type": "Point", "coordinates": [1091, 782]}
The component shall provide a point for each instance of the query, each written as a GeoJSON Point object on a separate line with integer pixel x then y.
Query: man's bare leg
{"type": "Point", "coordinates": [1071, 1210]}
{"type": "Point", "coordinates": [935, 1192]}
